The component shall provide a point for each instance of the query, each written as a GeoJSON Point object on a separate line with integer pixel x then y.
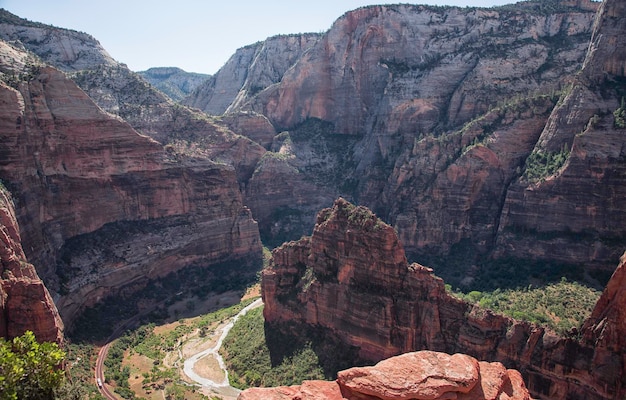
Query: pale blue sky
{"type": "Point", "coordinates": [195, 35]}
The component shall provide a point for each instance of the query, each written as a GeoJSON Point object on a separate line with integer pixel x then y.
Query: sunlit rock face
{"type": "Point", "coordinates": [423, 375]}
{"type": "Point", "coordinates": [350, 282]}
{"type": "Point", "coordinates": [250, 70]}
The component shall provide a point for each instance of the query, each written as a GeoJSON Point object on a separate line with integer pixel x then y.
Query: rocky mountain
{"type": "Point", "coordinates": [65, 49]}
{"type": "Point", "coordinates": [442, 121]}
{"type": "Point", "coordinates": [351, 285]}
{"type": "Point", "coordinates": [174, 82]}
{"type": "Point", "coordinates": [423, 375]}
{"type": "Point", "coordinates": [102, 207]}
{"type": "Point", "coordinates": [250, 70]}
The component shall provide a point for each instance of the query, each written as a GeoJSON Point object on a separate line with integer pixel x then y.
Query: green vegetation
{"type": "Point", "coordinates": [146, 342]}
{"type": "Point", "coordinates": [540, 165]}
{"type": "Point", "coordinates": [620, 116]}
{"type": "Point", "coordinates": [248, 357]}
{"type": "Point", "coordinates": [561, 306]}
{"type": "Point", "coordinates": [29, 369]}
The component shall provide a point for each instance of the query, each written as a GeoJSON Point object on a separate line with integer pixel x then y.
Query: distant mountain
{"type": "Point", "coordinates": [174, 82]}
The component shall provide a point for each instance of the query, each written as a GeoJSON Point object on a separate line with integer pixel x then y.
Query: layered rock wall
{"type": "Point", "coordinates": [25, 303]}
{"type": "Point", "coordinates": [81, 175]}
{"type": "Point", "coordinates": [351, 279]}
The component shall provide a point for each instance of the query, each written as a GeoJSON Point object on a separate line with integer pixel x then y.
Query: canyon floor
{"type": "Point", "coordinates": [146, 380]}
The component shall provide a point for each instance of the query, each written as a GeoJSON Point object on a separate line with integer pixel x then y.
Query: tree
{"type": "Point", "coordinates": [28, 369]}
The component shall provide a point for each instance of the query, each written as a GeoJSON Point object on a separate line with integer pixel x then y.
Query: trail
{"type": "Point", "coordinates": [222, 387]}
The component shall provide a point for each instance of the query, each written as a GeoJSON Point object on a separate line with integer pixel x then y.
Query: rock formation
{"type": "Point", "coordinates": [250, 70]}
{"type": "Point", "coordinates": [25, 303]}
{"type": "Point", "coordinates": [65, 49]}
{"type": "Point", "coordinates": [423, 375]}
{"type": "Point", "coordinates": [350, 281]}
{"type": "Point", "coordinates": [101, 206]}
{"type": "Point", "coordinates": [174, 82]}
{"type": "Point", "coordinates": [447, 108]}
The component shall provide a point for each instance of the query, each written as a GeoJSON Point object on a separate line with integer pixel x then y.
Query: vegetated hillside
{"type": "Point", "coordinates": [172, 81]}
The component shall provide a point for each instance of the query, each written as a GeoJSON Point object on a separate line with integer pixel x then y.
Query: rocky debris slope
{"type": "Point", "coordinates": [25, 303]}
{"type": "Point", "coordinates": [250, 70]}
{"type": "Point", "coordinates": [350, 282]}
{"type": "Point", "coordinates": [100, 205]}
{"type": "Point", "coordinates": [174, 82]}
{"type": "Point", "coordinates": [423, 375]}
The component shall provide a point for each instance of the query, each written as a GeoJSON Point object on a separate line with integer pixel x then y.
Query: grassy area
{"type": "Point", "coordinates": [248, 358]}
{"type": "Point", "coordinates": [560, 306]}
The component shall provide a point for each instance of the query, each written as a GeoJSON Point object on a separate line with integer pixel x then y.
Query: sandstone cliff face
{"type": "Point", "coordinates": [65, 49]}
{"type": "Point", "coordinates": [25, 303]}
{"type": "Point", "coordinates": [250, 70]}
{"type": "Point", "coordinates": [174, 82]}
{"type": "Point", "coordinates": [587, 227]}
{"type": "Point", "coordinates": [446, 106]}
{"type": "Point", "coordinates": [85, 180]}
{"type": "Point", "coordinates": [351, 280]}
{"type": "Point", "coordinates": [420, 375]}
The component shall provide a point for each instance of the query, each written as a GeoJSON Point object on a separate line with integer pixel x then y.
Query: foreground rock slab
{"type": "Point", "coordinates": [418, 375]}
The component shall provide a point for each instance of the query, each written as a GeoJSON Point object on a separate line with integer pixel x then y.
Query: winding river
{"type": "Point", "coordinates": [222, 387]}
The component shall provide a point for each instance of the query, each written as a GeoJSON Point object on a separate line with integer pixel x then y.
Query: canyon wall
{"type": "Point", "coordinates": [25, 303]}
{"type": "Point", "coordinates": [351, 281]}
{"type": "Point", "coordinates": [444, 115]}
{"type": "Point", "coordinates": [101, 206]}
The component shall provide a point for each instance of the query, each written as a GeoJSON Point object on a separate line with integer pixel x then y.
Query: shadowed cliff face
{"type": "Point", "coordinates": [101, 206]}
{"type": "Point", "coordinates": [25, 303]}
{"type": "Point", "coordinates": [350, 280]}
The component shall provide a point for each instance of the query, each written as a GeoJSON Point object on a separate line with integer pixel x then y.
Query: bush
{"type": "Point", "coordinates": [29, 369]}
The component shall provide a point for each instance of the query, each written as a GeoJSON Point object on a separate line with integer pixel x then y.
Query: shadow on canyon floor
{"type": "Point", "coordinates": [180, 294]}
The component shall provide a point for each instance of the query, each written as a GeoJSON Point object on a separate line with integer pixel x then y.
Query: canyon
{"type": "Point", "coordinates": [475, 134]}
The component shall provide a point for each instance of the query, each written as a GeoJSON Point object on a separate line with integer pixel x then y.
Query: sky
{"type": "Point", "coordinates": [194, 35]}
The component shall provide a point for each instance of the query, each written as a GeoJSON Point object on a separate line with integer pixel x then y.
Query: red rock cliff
{"type": "Point", "coordinates": [25, 303]}
{"type": "Point", "coordinates": [351, 280]}
{"type": "Point", "coordinates": [423, 375]}
{"type": "Point", "coordinates": [81, 175]}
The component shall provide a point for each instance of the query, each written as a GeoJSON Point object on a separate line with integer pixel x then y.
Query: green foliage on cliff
{"type": "Point", "coordinates": [540, 165]}
{"type": "Point", "coordinates": [29, 369]}
{"type": "Point", "coordinates": [248, 357]}
{"type": "Point", "coordinates": [560, 306]}
{"type": "Point", "coordinates": [620, 116]}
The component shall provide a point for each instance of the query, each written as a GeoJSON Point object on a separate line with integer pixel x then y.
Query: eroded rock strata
{"type": "Point", "coordinates": [85, 180]}
{"type": "Point", "coordinates": [351, 281]}
{"type": "Point", "coordinates": [25, 303]}
{"type": "Point", "coordinates": [423, 375]}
